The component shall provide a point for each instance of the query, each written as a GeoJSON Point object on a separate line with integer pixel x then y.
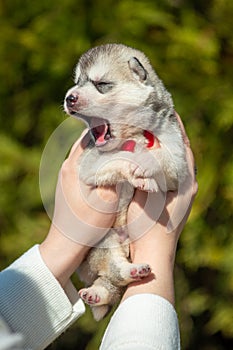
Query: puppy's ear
{"type": "Point", "coordinates": [137, 69]}
{"type": "Point", "coordinates": [77, 74]}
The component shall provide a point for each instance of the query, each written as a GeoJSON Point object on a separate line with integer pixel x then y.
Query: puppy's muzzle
{"type": "Point", "coordinates": [71, 100]}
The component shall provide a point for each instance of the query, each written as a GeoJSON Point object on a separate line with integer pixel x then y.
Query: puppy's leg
{"type": "Point", "coordinates": [124, 272]}
{"type": "Point", "coordinates": [129, 272]}
{"type": "Point", "coordinates": [100, 296]}
{"type": "Point", "coordinates": [139, 170]}
{"type": "Point", "coordinates": [145, 184]}
{"type": "Point", "coordinates": [101, 292]}
{"type": "Point", "coordinates": [97, 297]}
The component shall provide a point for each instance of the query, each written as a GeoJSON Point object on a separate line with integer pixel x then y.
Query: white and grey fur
{"type": "Point", "coordinates": [119, 95]}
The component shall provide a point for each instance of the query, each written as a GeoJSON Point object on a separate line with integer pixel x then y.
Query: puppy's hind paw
{"type": "Point", "coordinates": [89, 296]}
{"type": "Point", "coordinates": [140, 271]}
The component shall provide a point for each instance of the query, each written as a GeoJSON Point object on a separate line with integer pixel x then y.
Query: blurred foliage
{"type": "Point", "coordinates": [190, 44]}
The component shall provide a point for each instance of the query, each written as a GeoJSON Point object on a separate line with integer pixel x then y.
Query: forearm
{"type": "Point", "coordinates": [146, 318]}
{"type": "Point", "coordinates": [33, 303]}
{"type": "Point", "coordinates": [143, 321]}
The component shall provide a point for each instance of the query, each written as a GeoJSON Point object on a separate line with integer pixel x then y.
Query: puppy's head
{"type": "Point", "coordinates": [116, 93]}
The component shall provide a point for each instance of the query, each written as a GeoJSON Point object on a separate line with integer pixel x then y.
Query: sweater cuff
{"type": "Point", "coordinates": [143, 321]}
{"type": "Point", "coordinates": [33, 303]}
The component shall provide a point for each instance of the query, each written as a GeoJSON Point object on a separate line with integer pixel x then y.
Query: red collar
{"type": "Point", "coordinates": [151, 141]}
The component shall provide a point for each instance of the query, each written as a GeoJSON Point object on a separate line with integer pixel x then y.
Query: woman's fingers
{"type": "Point", "coordinates": [79, 145]}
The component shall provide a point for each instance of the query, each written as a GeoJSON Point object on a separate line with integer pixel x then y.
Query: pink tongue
{"type": "Point", "coordinates": [100, 132]}
{"type": "Point", "coordinates": [128, 145]}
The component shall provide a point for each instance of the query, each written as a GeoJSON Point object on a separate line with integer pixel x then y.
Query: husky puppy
{"type": "Point", "coordinates": [127, 109]}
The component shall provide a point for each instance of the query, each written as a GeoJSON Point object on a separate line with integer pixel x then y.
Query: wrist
{"type": "Point", "coordinates": [158, 249]}
{"type": "Point", "coordinates": [159, 282]}
{"type": "Point", "coordinates": [61, 255]}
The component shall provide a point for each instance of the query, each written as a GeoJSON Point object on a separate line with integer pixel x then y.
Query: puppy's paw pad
{"type": "Point", "coordinates": [89, 296]}
{"type": "Point", "coordinates": [140, 271]}
{"type": "Point", "coordinates": [146, 184]}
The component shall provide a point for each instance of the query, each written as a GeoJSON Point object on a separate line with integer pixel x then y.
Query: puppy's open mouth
{"type": "Point", "coordinates": [101, 131]}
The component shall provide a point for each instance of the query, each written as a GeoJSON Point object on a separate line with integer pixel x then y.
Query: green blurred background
{"type": "Point", "coordinates": [190, 44]}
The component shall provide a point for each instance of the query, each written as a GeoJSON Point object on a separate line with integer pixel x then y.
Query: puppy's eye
{"type": "Point", "coordinates": [103, 87]}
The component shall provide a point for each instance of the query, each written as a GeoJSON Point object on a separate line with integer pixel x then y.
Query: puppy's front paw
{"type": "Point", "coordinates": [144, 165]}
{"type": "Point", "coordinates": [145, 184]}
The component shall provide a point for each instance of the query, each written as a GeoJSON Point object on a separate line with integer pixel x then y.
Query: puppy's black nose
{"type": "Point", "coordinates": [71, 100]}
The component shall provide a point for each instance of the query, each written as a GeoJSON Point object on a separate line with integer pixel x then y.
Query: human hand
{"type": "Point", "coordinates": [82, 216]}
{"type": "Point", "coordinates": [82, 213]}
{"type": "Point", "coordinates": [159, 218]}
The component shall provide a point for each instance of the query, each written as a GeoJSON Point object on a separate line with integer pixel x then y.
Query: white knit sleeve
{"type": "Point", "coordinates": [33, 303]}
{"type": "Point", "coordinates": [143, 322]}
